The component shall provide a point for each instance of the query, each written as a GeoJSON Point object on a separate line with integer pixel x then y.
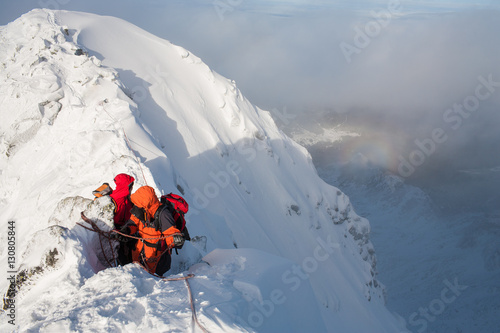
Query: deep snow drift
{"type": "Point", "coordinates": [86, 97]}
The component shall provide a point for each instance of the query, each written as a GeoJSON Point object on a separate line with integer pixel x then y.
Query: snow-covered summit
{"type": "Point", "coordinates": [85, 97]}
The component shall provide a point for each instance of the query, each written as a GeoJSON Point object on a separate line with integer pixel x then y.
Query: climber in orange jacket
{"type": "Point", "coordinates": [160, 227]}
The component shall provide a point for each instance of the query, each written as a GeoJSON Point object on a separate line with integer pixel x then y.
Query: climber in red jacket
{"type": "Point", "coordinates": [121, 199]}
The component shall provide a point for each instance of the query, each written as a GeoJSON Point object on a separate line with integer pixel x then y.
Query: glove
{"type": "Point", "coordinates": [185, 233]}
{"type": "Point", "coordinates": [121, 238]}
{"type": "Point", "coordinates": [125, 230]}
{"type": "Point", "coordinates": [178, 241]}
{"type": "Point", "coordinates": [118, 237]}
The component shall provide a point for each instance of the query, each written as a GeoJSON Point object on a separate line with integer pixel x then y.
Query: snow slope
{"type": "Point", "coordinates": [85, 97]}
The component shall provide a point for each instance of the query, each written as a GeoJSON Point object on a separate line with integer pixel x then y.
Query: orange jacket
{"type": "Point", "coordinates": [156, 241]}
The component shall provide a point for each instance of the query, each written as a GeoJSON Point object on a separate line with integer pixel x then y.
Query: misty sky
{"type": "Point", "coordinates": [404, 62]}
{"type": "Point", "coordinates": [289, 53]}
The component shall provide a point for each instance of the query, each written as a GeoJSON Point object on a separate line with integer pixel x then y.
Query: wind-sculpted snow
{"type": "Point", "coordinates": [86, 97]}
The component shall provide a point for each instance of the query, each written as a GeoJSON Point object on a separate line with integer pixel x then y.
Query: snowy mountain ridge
{"type": "Point", "coordinates": [85, 97]}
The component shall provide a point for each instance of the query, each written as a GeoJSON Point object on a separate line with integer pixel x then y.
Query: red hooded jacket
{"type": "Point", "coordinates": [121, 198]}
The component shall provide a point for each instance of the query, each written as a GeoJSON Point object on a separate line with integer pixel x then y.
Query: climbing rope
{"type": "Point", "coordinates": [193, 310]}
{"type": "Point", "coordinates": [105, 234]}
{"type": "Point", "coordinates": [142, 238]}
{"type": "Point", "coordinates": [186, 278]}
